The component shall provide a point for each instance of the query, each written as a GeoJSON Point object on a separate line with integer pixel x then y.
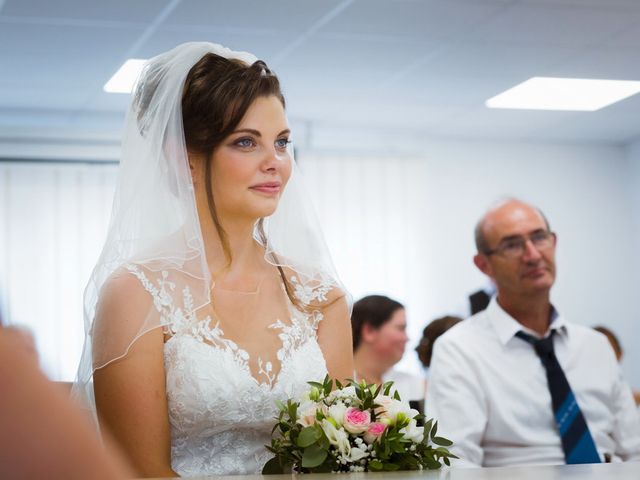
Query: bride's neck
{"type": "Point", "coordinates": [246, 253]}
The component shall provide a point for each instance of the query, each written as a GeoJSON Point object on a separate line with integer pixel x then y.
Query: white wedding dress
{"type": "Point", "coordinates": [221, 416]}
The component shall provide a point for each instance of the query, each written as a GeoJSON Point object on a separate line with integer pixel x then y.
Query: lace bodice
{"type": "Point", "coordinates": [221, 415]}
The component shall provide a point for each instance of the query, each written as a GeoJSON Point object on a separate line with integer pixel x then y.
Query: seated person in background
{"type": "Point", "coordinates": [41, 434]}
{"type": "Point", "coordinates": [430, 334]}
{"type": "Point", "coordinates": [517, 384]}
{"type": "Point", "coordinates": [617, 348]}
{"type": "Point", "coordinates": [379, 336]}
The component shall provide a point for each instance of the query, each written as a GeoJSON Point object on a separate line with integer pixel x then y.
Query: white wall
{"type": "Point", "coordinates": [404, 226]}
{"type": "Point", "coordinates": [631, 331]}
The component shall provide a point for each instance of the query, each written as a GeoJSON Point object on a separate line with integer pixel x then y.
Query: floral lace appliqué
{"type": "Point", "coordinates": [176, 319]}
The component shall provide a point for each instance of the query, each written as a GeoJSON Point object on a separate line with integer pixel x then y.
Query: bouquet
{"type": "Point", "coordinates": [354, 428]}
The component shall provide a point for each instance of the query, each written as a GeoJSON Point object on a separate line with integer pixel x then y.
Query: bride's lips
{"type": "Point", "coordinates": [269, 188]}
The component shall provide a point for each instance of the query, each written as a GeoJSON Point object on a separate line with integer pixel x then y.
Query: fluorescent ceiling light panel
{"type": "Point", "coordinates": [125, 78]}
{"type": "Point", "coordinates": [577, 94]}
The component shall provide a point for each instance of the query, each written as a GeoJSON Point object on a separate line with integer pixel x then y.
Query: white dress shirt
{"type": "Point", "coordinates": [489, 392]}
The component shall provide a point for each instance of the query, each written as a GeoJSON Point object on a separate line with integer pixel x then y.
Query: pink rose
{"type": "Point", "coordinates": [356, 421]}
{"type": "Point", "coordinates": [374, 432]}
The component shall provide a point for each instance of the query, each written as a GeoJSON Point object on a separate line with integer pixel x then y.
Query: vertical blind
{"type": "Point", "coordinates": [53, 219]}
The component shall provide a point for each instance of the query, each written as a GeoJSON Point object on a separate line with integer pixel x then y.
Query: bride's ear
{"type": "Point", "coordinates": [194, 166]}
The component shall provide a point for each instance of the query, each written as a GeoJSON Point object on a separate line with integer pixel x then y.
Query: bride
{"type": "Point", "coordinates": [214, 294]}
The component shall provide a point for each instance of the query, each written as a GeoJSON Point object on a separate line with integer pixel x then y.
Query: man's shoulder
{"type": "Point", "coordinates": [470, 329]}
{"type": "Point", "coordinates": [581, 334]}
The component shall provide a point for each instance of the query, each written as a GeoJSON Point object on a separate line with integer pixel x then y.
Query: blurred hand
{"type": "Point", "coordinates": [19, 338]}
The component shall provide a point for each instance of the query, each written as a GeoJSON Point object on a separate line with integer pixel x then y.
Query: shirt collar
{"type": "Point", "coordinates": [506, 326]}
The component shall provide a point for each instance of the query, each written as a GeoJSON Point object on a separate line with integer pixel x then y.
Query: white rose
{"type": "Point", "coordinates": [337, 437]}
{"type": "Point", "coordinates": [349, 392]}
{"type": "Point", "coordinates": [336, 412]}
{"type": "Point", "coordinates": [390, 408]}
{"type": "Point", "coordinates": [307, 413]}
{"type": "Point", "coordinates": [413, 432]}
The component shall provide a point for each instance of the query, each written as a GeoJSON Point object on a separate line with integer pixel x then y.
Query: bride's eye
{"type": "Point", "coordinates": [282, 143]}
{"type": "Point", "coordinates": [245, 142]}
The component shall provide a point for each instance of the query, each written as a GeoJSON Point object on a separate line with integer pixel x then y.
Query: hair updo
{"type": "Point", "coordinates": [217, 93]}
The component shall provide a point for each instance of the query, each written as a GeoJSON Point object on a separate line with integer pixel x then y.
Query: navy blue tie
{"type": "Point", "coordinates": [577, 442]}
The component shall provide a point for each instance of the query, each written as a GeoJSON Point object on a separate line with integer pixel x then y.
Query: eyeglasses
{"type": "Point", "coordinates": [514, 247]}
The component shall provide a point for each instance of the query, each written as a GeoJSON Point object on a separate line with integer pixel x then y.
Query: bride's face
{"type": "Point", "coordinates": [252, 166]}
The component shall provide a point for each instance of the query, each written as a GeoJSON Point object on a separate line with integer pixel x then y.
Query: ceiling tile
{"type": "Point", "coordinates": [602, 62]}
{"type": "Point", "coordinates": [555, 24]}
{"type": "Point", "coordinates": [427, 19]}
{"type": "Point", "coordinates": [276, 15]}
{"type": "Point", "coordinates": [114, 10]}
{"type": "Point", "coordinates": [265, 45]}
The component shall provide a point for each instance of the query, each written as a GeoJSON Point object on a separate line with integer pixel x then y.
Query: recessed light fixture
{"type": "Point", "coordinates": [125, 78]}
{"type": "Point", "coordinates": [577, 94]}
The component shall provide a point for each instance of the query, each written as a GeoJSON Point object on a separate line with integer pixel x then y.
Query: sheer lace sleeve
{"type": "Point", "coordinates": [125, 311]}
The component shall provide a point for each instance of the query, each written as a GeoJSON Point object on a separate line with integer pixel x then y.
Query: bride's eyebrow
{"type": "Point", "coordinates": [247, 130]}
{"type": "Point", "coordinates": [257, 133]}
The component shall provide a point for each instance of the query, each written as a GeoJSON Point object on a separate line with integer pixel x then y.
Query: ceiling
{"type": "Point", "coordinates": [355, 72]}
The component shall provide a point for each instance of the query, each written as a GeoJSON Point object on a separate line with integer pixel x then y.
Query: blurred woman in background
{"type": "Point", "coordinates": [379, 327]}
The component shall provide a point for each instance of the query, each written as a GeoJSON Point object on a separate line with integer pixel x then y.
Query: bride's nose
{"type": "Point", "coordinates": [274, 159]}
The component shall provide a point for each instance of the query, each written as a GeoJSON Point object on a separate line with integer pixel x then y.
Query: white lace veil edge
{"type": "Point", "coordinates": [154, 222]}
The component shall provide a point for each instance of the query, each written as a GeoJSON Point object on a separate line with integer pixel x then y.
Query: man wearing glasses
{"type": "Point", "coordinates": [517, 384]}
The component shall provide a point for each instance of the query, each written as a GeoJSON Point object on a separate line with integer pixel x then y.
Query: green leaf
{"type": "Point", "coordinates": [272, 467]}
{"type": "Point", "coordinates": [377, 391]}
{"type": "Point", "coordinates": [293, 410]}
{"type": "Point", "coordinates": [442, 441]}
{"type": "Point", "coordinates": [313, 456]}
{"type": "Point", "coordinates": [427, 431]}
{"type": "Point", "coordinates": [280, 406]}
{"type": "Point", "coordinates": [387, 387]}
{"type": "Point", "coordinates": [307, 437]}
{"type": "Point", "coordinates": [390, 467]}
{"type": "Point", "coordinates": [375, 465]}
{"type": "Point", "coordinates": [396, 395]}
{"type": "Point", "coordinates": [328, 385]}
{"type": "Point", "coordinates": [432, 463]}
{"type": "Point", "coordinates": [434, 430]}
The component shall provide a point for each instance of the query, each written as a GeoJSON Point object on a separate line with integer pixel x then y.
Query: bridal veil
{"type": "Point", "coordinates": [155, 222]}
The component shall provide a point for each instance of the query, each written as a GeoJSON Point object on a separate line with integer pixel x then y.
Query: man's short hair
{"type": "Point", "coordinates": [481, 241]}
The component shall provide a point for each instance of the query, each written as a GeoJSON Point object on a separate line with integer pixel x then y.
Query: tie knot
{"type": "Point", "coordinates": [542, 346]}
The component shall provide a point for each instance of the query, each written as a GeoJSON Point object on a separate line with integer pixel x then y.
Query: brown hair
{"type": "Point", "coordinates": [613, 340]}
{"type": "Point", "coordinates": [430, 334]}
{"type": "Point", "coordinates": [217, 93]}
{"type": "Point", "coordinates": [374, 310]}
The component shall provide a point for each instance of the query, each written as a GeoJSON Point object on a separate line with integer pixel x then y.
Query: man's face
{"type": "Point", "coordinates": [532, 270]}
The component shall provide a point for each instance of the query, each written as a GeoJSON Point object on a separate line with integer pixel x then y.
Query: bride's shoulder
{"type": "Point", "coordinates": [317, 290]}
{"type": "Point", "coordinates": [129, 281]}
{"type": "Point", "coordinates": [123, 292]}
{"type": "Point", "coordinates": [133, 289]}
